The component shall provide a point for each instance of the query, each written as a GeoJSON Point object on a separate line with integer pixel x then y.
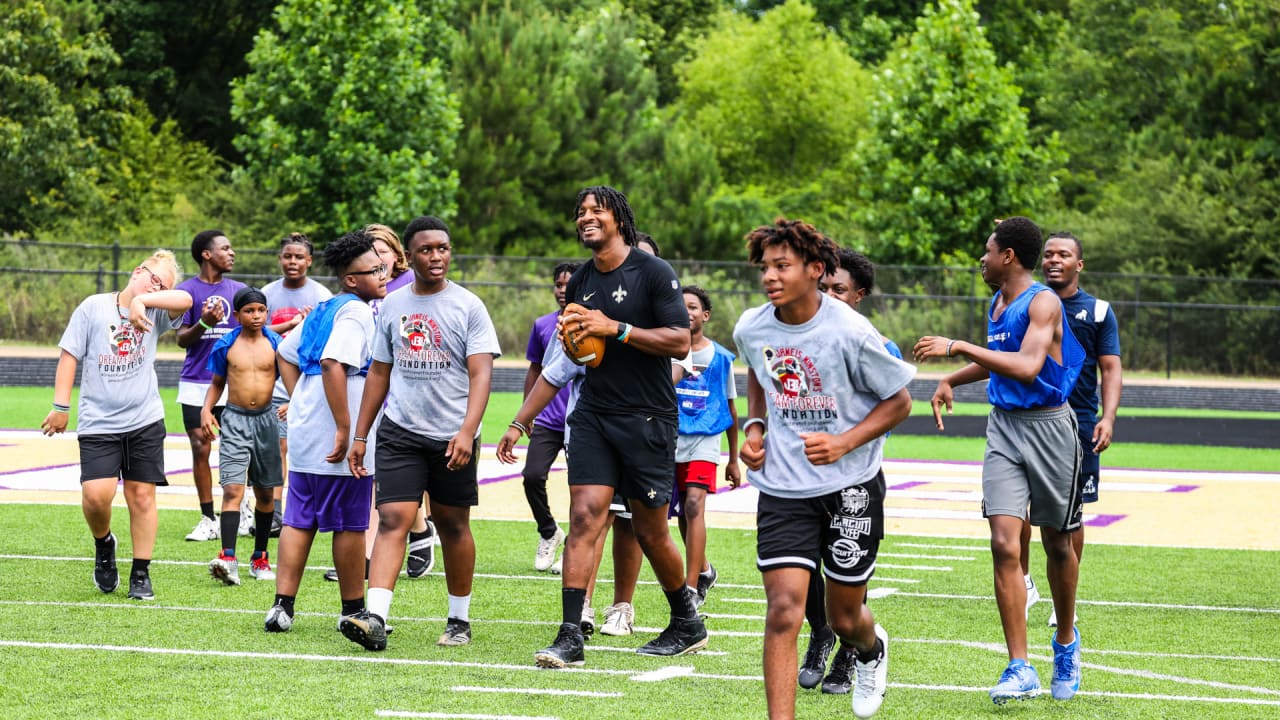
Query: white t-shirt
{"type": "Point", "coordinates": [311, 425]}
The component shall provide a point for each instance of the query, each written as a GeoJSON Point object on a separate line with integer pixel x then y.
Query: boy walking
{"type": "Point", "coordinates": [120, 427]}
{"type": "Point", "coordinates": [705, 396]}
{"type": "Point", "coordinates": [323, 364]}
{"type": "Point", "coordinates": [821, 392]}
{"type": "Point", "coordinates": [244, 363]}
{"type": "Point", "coordinates": [433, 357]}
{"type": "Point", "coordinates": [1033, 453]}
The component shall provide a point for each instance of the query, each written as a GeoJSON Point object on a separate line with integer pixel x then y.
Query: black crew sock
{"type": "Point", "coordinates": [874, 653]}
{"type": "Point", "coordinates": [681, 603]}
{"type": "Point", "coordinates": [101, 542]}
{"type": "Point", "coordinates": [815, 605]}
{"type": "Point", "coordinates": [206, 509]}
{"type": "Point", "coordinates": [141, 567]}
{"type": "Point", "coordinates": [230, 522]}
{"type": "Point", "coordinates": [261, 530]}
{"type": "Point", "coordinates": [352, 607]}
{"type": "Point", "coordinates": [286, 602]}
{"type": "Point", "coordinates": [571, 601]}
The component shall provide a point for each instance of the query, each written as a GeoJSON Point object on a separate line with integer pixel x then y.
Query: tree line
{"type": "Point", "coordinates": [900, 127]}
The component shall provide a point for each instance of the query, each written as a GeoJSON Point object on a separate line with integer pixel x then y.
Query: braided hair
{"type": "Point", "coordinates": [806, 240]}
{"type": "Point", "coordinates": [613, 201]}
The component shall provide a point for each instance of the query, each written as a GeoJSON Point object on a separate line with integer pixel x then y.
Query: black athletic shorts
{"type": "Point", "coordinates": [843, 529]}
{"type": "Point", "coordinates": [410, 464]}
{"type": "Point", "coordinates": [634, 454]}
{"type": "Point", "coordinates": [191, 416]}
{"type": "Point", "coordinates": [136, 455]}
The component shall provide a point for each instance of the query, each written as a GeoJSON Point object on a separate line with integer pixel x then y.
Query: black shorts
{"type": "Point", "coordinates": [191, 416]}
{"type": "Point", "coordinates": [633, 454]}
{"type": "Point", "coordinates": [842, 529]}
{"type": "Point", "coordinates": [409, 464]}
{"type": "Point", "coordinates": [136, 455]}
{"type": "Point", "coordinates": [1090, 465]}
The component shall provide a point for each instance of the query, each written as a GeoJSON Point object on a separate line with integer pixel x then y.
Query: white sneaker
{"type": "Point", "coordinates": [617, 619]}
{"type": "Point", "coordinates": [871, 679]}
{"type": "Point", "coordinates": [206, 529]}
{"type": "Point", "coordinates": [547, 548]}
{"type": "Point", "coordinates": [1053, 617]}
{"type": "Point", "coordinates": [558, 568]}
{"type": "Point", "coordinates": [588, 623]}
{"type": "Point", "coordinates": [246, 518]}
{"type": "Point", "coordinates": [1033, 594]}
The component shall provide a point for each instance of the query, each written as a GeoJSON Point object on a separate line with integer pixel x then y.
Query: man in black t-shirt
{"type": "Point", "coordinates": [622, 432]}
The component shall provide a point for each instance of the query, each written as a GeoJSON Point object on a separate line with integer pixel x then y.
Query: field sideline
{"type": "Point", "coordinates": [1173, 622]}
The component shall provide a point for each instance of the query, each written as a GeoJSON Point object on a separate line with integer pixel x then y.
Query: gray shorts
{"type": "Point", "coordinates": [250, 448]}
{"type": "Point", "coordinates": [1033, 457]}
{"type": "Point", "coordinates": [283, 425]}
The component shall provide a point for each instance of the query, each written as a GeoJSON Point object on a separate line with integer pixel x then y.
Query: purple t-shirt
{"type": "Point", "coordinates": [405, 278]}
{"type": "Point", "coordinates": [540, 339]}
{"type": "Point", "coordinates": [194, 367]}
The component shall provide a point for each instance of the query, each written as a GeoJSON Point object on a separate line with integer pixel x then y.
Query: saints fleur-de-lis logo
{"type": "Point", "coordinates": [619, 294]}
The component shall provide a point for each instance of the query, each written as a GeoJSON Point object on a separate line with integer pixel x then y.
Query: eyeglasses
{"type": "Point", "coordinates": [156, 282]}
{"type": "Point", "coordinates": [378, 270]}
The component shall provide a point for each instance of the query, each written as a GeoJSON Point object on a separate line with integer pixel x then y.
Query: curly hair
{"type": "Point", "coordinates": [806, 240]}
{"type": "Point", "coordinates": [565, 267]}
{"type": "Point", "coordinates": [297, 238]}
{"type": "Point", "coordinates": [613, 201]}
{"type": "Point", "coordinates": [381, 232]}
{"type": "Point", "coordinates": [699, 293]}
{"type": "Point", "coordinates": [1022, 236]}
{"type": "Point", "coordinates": [201, 242]}
{"type": "Point", "coordinates": [860, 268]}
{"type": "Point", "coordinates": [340, 253]}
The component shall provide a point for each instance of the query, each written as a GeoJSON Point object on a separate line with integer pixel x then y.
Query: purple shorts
{"type": "Point", "coordinates": [328, 503]}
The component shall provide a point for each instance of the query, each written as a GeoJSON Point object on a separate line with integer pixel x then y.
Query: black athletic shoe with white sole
{"type": "Point", "coordinates": [105, 574]}
{"type": "Point", "coordinates": [140, 587]}
{"type": "Point", "coordinates": [566, 650]}
{"type": "Point", "coordinates": [681, 637]}
{"type": "Point", "coordinates": [821, 643]}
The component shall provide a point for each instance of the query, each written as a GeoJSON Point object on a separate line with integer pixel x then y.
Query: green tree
{"type": "Point", "coordinates": [949, 149]}
{"type": "Point", "coordinates": [667, 28]}
{"type": "Point", "coordinates": [54, 105]}
{"type": "Point", "coordinates": [347, 107]}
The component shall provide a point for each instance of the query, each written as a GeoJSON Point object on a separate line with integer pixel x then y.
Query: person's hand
{"type": "Point", "coordinates": [943, 396]}
{"type": "Point", "coordinates": [340, 442]}
{"type": "Point", "coordinates": [752, 452]}
{"type": "Point", "coordinates": [211, 313]}
{"type": "Point", "coordinates": [932, 346]}
{"type": "Point", "coordinates": [1102, 436]}
{"type": "Point", "coordinates": [458, 453]}
{"type": "Point", "coordinates": [355, 459]}
{"type": "Point", "coordinates": [282, 412]}
{"type": "Point", "coordinates": [822, 448]}
{"type": "Point", "coordinates": [733, 474]}
{"type": "Point", "coordinates": [209, 424]}
{"type": "Point", "coordinates": [138, 315]}
{"type": "Point", "coordinates": [506, 446]}
{"type": "Point", "coordinates": [54, 423]}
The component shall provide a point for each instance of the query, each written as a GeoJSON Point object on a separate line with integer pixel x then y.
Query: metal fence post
{"type": "Point", "coordinates": [1168, 343]}
{"type": "Point", "coordinates": [101, 280]}
{"type": "Point", "coordinates": [115, 264]}
{"type": "Point", "coordinates": [1137, 313]}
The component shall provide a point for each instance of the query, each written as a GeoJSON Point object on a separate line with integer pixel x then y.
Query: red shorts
{"type": "Point", "coordinates": [698, 472]}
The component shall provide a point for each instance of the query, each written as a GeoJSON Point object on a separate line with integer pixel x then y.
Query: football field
{"type": "Point", "coordinates": [1178, 612]}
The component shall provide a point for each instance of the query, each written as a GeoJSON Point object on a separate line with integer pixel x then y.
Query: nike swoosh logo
{"type": "Point", "coordinates": [588, 296]}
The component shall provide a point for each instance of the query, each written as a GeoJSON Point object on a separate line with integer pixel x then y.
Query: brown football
{"type": "Point", "coordinates": [589, 350]}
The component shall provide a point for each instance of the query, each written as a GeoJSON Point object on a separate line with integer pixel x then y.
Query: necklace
{"type": "Point", "coordinates": [124, 314]}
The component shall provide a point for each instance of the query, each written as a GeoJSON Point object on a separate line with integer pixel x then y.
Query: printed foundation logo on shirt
{"type": "Point", "coordinates": [792, 372]}
{"type": "Point", "coordinates": [417, 331]}
{"type": "Point", "coordinates": [124, 338]}
{"type": "Point", "coordinates": [421, 352]}
{"type": "Point", "coordinates": [129, 352]}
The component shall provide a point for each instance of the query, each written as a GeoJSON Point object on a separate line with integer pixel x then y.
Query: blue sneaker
{"type": "Point", "coordinates": [1018, 682]}
{"type": "Point", "coordinates": [1066, 668]}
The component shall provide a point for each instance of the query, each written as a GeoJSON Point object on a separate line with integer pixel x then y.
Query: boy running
{"type": "Point", "coordinates": [821, 392]}
{"type": "Point", "coordinates": [244, 363]}
{"type": "Point", "coordinates": [120, 427]}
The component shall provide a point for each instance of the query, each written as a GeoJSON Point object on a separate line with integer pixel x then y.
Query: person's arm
{"type": "Point", "coordinates": [175, 301]}
{"type": "Point", "coordinates": [672, 342]}
{"type": "Point", "coordinates": [825, 448]}
{"type": "Point", "coordinates": [210, 315]}
{"type": "Point", "coordinates": [531, 377]}
{"type": "Point", "coordinates": [333, 375]}
{"type": "Point", "coordinates": [752, 452]}
{"type": "Point", "coordinates": [1044, 323]}
{"type": "Point", "coordinates": [376, 384]}
{"type": "Point", "coordinates": [539, 397]}
{"type": "Point", "coordinates": [1112, 385]}
{"type": "Point", "coordinates": [208, 421]}
{"type": "Point", "coordinates": [293, 322]}
{"type": "Point", "coordinates": [479, 383]}
{"type": "Point", "coordinates": [944, 396]}
{"type": "Point", "coordinates": [64, 379]}
{"type": "Point", "coordinates": [732, 473]}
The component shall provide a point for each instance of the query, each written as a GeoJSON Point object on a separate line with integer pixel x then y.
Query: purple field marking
{"type": "Point", "coordinates": [500, 478]}
{"type": "Point", "coordinates": [1105, 520]}
{"type": "Point", "coordinates": [1183, 488]}
{"type": "Point", "coordinates": [908, 485]}
{"type": "Point", "coordinates": [38, 469]}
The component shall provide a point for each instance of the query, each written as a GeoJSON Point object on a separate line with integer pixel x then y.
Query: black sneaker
{"type": "Point", "coordinates": [821, 643]}
{"type": "Point", "coordinates": [331, 575]}
{"type": "Point", "coordinates": [277, 524]}
{"type": "Point", "coordinates": [105, 574]}
{"type": "Point", "coordinates": [364, 629]}
{"type": "Point", "coordinates": [840, 679]}
{"type": "Point", "coordinates": [278, 619]}
{"type": "Point", "coordinates": [706, 581]}
{"type": "Point", "coordinates": [681, 637]}
{"type": "Point", "coordinates": [140, 587]}
{"type": "Point", "coordinates": [421, 557]}
{"type": "Point", "coordinates": [566, 650]}
{"type": "Point", "coordinates": [456, 632]}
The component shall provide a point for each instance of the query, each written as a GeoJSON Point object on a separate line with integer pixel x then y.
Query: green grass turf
{"type": "Point", "coordinates": [26, 407]}
{"type": "Point", "coordinates": [72, 652]}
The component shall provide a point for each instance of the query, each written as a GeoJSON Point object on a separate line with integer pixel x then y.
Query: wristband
{"type": "Point", "coordinates": [754, 421]}
{"type": "Point", "coordinates": [357, 438]}
{"type": "Point", "coordinates": [949, 344]}
{"type": "Point", "coordinates": [624, 335]}
{"type": "Point", "coordinates": [202, 324]}
{"type": "Point", "coordinates": [519, 426]}
{"type": "Point", "coordinates": [62, 408]}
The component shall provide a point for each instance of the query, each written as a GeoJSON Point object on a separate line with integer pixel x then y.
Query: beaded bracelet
{"type": "Point", "coordinates": [62, 408]}
{"type": "Point", "coordinates": [519, 426]}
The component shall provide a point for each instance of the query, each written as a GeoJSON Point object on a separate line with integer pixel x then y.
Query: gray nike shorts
{"type": "Point", "coordinates": [1033, 458]}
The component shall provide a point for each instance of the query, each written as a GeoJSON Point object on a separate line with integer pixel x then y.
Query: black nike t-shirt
{"type": "Point", "coordinates": [644, 292]}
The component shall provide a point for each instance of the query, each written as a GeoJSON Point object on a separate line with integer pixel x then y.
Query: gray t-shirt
{"type": "Point", "coordinates": [118, 389]}
{"type": "Point", "coordinates": [822, 376]}
{"type": "Point", "coordinates": [283, 303]}
{"type": "Point", "coordinates": [560, 371]}
{"type": "Point", "coordinates": [703, 447]}
{"type": "Point", "coordinates": [427, 339]}
{"type": "Point", "coordinates": [311, 425]}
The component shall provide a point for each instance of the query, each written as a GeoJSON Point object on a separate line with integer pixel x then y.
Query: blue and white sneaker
{"type": "Point", "coordinates": [1066, 668]}
{"type": "Point", "coordinates": [1018, 682]}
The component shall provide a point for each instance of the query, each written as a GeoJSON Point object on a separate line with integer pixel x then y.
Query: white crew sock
{"type": "Point", "coordinates": [460, 607]}
{"type": "Point", "coordinates": [378, 602]}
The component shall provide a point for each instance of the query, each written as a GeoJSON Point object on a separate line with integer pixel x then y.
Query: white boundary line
{"type": "Point", "coordinates": [536, 691]}
{"type": "Point", "coordinates": [459, 716]}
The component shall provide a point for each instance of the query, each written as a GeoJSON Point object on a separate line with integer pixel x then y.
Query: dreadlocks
{"type": "Point", "coordinates": [802, 237]}
{"type": "Point", "coordinates": [615, 202]}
